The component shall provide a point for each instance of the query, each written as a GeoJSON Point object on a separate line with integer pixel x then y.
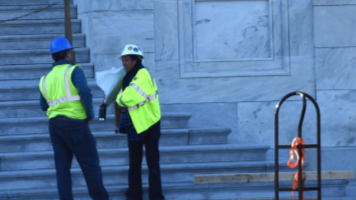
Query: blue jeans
{"type": "Point", "coordinates": [73, 137]}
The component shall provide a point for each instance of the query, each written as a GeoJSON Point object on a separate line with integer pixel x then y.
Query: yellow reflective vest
{"type": "Point", "coordinates": [60, 93]}
{"type": "Point", "coordinates": [140, 97]}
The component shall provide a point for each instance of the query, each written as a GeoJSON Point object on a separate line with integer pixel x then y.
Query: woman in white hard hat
{"type": "Point", "coordinates": [140, 119]}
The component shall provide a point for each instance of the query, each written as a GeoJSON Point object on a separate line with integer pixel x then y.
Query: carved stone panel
{"type": "Point", "coordinates": [233, 38]}
{"type": "Point", "coordinates": [194, 65]}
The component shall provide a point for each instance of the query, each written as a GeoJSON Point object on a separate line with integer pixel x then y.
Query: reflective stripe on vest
{"type": "Point", "coordinates": [143, 94]}
{"type": "Point", "coordinates": [139, 90]}
{"type": "Point", "coordinates": [150, 98]}
{"type": "Point", "coordinates": [69, 96]}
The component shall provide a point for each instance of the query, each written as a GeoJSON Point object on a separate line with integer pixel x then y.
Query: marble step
{"type": "Point", "coordinates": [27, 2]}
{"type": "Point", "coordinates": [104, 140]}
{"type": "Point", "coordinates": [331, 190]}
{"type": "Point", "coordinates": [35, 27]}
{"type": "Point", "coordinates": [110, 140]}
{"type": "Point", "coordinates": [22, 90]}
{"type": "Point", "coordinates": [27, 42]}
{"type": "Point", "coordinates": [54, 12]}
{"type": "Point", "coordinates": [31, 108]}
{"type": "Point", "coordinates": [39, 125]}
{"type": "Point", "coordinates": [208, 135]}
{"type": "Point", "coordinates": [35, 71]}
{"type": "Point", "coordinates": [168, 155]}
{"type": "Point", "coordinates": [117, 175]}
{"type": "Point", "coordinates": [39, 56]}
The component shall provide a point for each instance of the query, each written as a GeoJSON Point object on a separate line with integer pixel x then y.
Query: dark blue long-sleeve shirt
{"type": "Point", "coordinates": [80, 82]}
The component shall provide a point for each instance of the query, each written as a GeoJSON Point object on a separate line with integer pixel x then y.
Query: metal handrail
{"type": "Point", "coordinates": [300, 188]}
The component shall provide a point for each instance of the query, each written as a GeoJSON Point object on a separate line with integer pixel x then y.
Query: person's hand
{"type": "Point", "coordinates": [89, 121]}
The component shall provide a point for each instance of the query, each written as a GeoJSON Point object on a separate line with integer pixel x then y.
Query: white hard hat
{"type": "Point", "coordinates": [132, 49]}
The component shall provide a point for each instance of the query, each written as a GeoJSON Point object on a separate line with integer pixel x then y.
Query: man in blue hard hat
{"type": "Point", "coordinates": [66, 97]}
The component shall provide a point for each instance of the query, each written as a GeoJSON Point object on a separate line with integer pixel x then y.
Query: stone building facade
{"type": "Point", "coordinates": [229, 62]}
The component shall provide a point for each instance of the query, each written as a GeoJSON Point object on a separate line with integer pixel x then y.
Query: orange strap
{"type": "Point", "coordinates": [294, 150]}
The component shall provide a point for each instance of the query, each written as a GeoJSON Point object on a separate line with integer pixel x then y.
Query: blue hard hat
{"type": "Point", "coordinates": [60, 44]}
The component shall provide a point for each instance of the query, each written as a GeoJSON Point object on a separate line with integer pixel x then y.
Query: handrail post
{"type": "Point", "coordinates": [68, 26]}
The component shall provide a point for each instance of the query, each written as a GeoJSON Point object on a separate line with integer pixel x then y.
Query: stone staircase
{"type": "Point", "coordinates": [26, 156]}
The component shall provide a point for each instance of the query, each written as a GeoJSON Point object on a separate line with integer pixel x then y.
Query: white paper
{"type": "Point", "coordinates": [110, 82]}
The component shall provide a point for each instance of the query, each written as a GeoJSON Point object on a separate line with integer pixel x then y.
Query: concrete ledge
{"type": "Point", "coordinates": [269, 177]}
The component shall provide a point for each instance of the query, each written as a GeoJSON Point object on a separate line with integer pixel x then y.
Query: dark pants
{"type": "Point", "coordinates": [70, 136]}
{"type": "Point", "coordinates": [151, 139]}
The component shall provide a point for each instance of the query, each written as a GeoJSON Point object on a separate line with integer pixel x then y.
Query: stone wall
{"type": "Point", "coordinates": [111, 24]}
{"type": "Point", "coordinates": [229, 62]}
{"type": "Point", "coordinates": [335, 62]}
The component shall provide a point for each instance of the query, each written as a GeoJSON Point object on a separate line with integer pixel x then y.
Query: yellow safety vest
{"type": "Point", "coordinates": [61, 95]}
{"type": "Point", "coordinates": [140, 97]}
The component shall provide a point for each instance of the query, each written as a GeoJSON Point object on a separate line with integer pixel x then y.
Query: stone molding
{"type": "Point", "coordinates": [278, 63]}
